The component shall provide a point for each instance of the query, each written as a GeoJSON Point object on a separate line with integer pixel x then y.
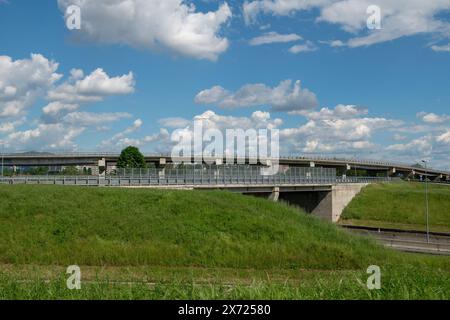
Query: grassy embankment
{"type": "Point", "coordinates": [138, 244]}
{"type": "Point", "coordinates": [400, 205]}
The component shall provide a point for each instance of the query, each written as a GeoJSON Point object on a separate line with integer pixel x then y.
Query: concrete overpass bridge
{"type": "Point", "coordinates": [317, 190]}
{"type": "Point", "coordinates": [106, 162]}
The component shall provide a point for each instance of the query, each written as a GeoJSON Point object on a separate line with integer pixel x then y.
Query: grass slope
{"type": "Point", "coordinates": [95, 226]}
{"type": "Point", "coordinates": [400, 205]}
{"type": "Point", "coordinates": [190, 244]}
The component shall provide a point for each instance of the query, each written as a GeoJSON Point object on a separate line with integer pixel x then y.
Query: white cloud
{"type": "Point", "coordinates": [444, 48]}
{"type": "Point", "coordinates": [169, 24]}
{"type": "Point", "coordinates": [341, 111]}
{"type": "Point", "coordinates": [174, 122]}
{"type": "Point", "coordinates": [419, 146]}
{"type": "Point", "coordinates": [306, 47]}
{"type": "Point", "coordinates": [45, 136]}
{"type": "Point", "coordinates": [444, 138]}
{"type": "Point", "coordinates": [56, 110]}
{"type": "Point", "coordinates": [433, 118]}
{"type": "Point", "coordinates": [274, 37]}
{"type": "Point", "coordinates": [22, 82]}
{"type": "Point", "coordinates": [85, 119]}
{"type": "Point", "coordinates": [10, 126]}
{"type": "Point", "coordinates": [337, 43]}
{"type": "Point", "coordinates": [277, 7]}
{"type": "Point", "coordinates": [121, 136]}
{"type": "Point", "coordinates": [284, 97]}
{"type": "Point", "coordinates": [399, 18]}
{"type": "Point", "coordinates": [258, 120]}
{"type": "Point", "coordinates": [93, 88]}
{"type": "Point", "coordinates": [122, 139]}
{"type": "Point", "coordinates": [344, 130]}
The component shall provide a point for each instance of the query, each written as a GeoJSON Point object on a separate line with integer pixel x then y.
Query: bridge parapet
{"type": "Point", "coordinates": [201, 175]}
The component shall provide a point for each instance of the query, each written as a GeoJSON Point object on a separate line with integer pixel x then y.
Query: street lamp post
{"type": "Point", "coordinates": [3, 157]}
{"type": "Point", "coordinates": [426, 201]}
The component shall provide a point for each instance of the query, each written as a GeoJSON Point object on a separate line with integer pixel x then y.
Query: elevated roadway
{"type": "Point", "coordinates": [107, 161]}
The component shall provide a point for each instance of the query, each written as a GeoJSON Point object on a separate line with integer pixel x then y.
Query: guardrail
{"type": "Point", "coordinates": [229, 175]}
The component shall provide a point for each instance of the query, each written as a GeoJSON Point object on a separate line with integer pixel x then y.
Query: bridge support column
{"type": "Point", "coordinates": [392, 172]}
{"type": "Point", "coordinates": [411, 175]}
{"type": "Point", "coordinates": [275, 194]}
{"type": "Point", "coordinates": [102, 167]}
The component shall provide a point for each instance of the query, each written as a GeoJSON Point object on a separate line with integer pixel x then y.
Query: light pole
{"type": "Point", "coordinates": [426, 201]}
{"type": "Point", "coordinates": [3, 157]}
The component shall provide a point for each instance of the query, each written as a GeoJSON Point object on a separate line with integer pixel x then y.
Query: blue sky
{"type": "Point", "coordinates": [391, 85]}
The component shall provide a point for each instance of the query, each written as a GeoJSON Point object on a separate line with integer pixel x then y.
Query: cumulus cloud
{"type": "Point", "coordinates": [341, 130]}
{"type": "Point", "coordinates": [175, 25]}
{"type": "Point", "coordinates": [422, 145]}
{"type": "Point", "coordinates": [93, 88]}
{"type": "Point", "coordinates": [284, 97]}
{"type": "Point", "coordinates": [78, 89]}
{"type": "Point", "coordinates": [257, 120]}
{"type": "Point", "coordinates": [445, 137]}
{"type": "Point", "coordinates": [433, 118]}
{"type": "Point", "coordinates": [123, 139]}
{"type": "Point", "coordinates": [45, 136]}
{"type": "Point", "coordinates": [399, 18]}
{"type": "Point", "coordinates": [345, 131]}
{"type": "Point", "coordinates": [10, 126]}
{"type": "Point", "coordinates": [22, 82]}
{"type": "Point", "coordinates": [213, 122]}
{"type": "Point", "coordinates": [341, 111]}
{"type": "Point", "coordinates": [274, 37]}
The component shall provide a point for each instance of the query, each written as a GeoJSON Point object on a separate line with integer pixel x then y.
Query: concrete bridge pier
{"type": "Point", "coordinates": [102, 167]}
{"type": "Point", "coordinates": [275, 195]}
{"type": "Point", "coordinates": [392, 172]}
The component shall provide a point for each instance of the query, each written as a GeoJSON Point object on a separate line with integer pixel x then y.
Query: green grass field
{"type": "Point", "coordinates": [400, 205]}
{"type": "Point", "coordinates": [154, 244]}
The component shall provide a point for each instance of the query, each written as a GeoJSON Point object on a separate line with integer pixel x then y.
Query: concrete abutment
{"type": "Point", "coordinates": [328, 205]}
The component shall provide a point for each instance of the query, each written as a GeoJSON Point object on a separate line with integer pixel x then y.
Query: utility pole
{"type": "Point", "coordinates": [426, 201]}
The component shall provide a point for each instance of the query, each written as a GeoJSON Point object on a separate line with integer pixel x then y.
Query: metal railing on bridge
{"type": "Point", "coordinates": [237, 175]}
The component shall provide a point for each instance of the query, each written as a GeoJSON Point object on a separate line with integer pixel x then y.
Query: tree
{"type": "Point", "coordinates": [131, 157]}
